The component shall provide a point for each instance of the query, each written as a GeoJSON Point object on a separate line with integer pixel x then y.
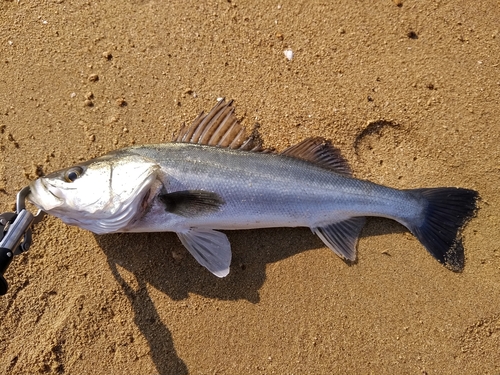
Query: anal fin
{"type": "Point", "coordinates": [210, 248]}
{"type": "Point", "coordinates": [342, 236]}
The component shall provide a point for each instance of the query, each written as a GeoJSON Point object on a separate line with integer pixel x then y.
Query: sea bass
{"type": "Point", "coordinates": [212, 177]}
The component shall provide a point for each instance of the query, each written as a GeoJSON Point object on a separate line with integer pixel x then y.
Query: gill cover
{"type": "Point", "coordinates": [102, 195]}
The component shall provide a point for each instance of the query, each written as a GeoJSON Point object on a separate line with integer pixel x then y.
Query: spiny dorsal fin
{"type": "Point", "coordinates": [320, 151]}
{"type": "Point", "coordinates": [221, 128]}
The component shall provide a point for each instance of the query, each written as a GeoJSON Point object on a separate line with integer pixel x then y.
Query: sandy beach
{"type": "Point", "coordinates": [408, 90]}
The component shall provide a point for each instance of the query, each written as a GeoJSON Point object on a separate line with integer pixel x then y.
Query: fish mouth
{"type": "Point", "coordinates": [42, 195]}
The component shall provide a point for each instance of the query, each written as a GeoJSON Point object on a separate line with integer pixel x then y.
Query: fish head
{"type": "Point", "coordinates": [102, 195]}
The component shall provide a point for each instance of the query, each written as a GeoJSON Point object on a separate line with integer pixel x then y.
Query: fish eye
{"type": "Point", "coordinates": [72, 174]}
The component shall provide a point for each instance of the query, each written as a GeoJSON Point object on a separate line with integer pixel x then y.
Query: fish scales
{"type": "Point", "coordinates": [264, 190]}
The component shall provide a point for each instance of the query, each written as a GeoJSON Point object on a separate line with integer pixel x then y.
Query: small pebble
{"type": "Point", "coordinates": [288, 54]}
{"type": "Point", "coordinates": [177, 256]}
{"type": "Point", "coordinates": [107, 55]}
{"type": "Point", "coordinates": [88, 103]}
{"type": "Point", "coordinates": [121, 102]}
{"type": "Point", "coordinates": [412, 34]}
{"type": "Point", "coordinates": [89, 95]}
{"type": "Point", "coordinates": [93, 77]}
{"type": "Point", "coordinates": [37, 170]}
{"type": "Point", "coordinates": [92, 138]}
{"type": "Point", "coordinates": [111, 120]}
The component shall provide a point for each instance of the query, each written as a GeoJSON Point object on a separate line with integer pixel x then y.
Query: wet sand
{"type": "Point", "coordinates": [408, 90]}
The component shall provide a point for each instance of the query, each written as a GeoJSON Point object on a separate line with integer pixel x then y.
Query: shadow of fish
{"type": "Point", "coordinates": [212, 177]}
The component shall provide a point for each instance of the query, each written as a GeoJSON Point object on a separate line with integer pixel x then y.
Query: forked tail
{"type": "Point", "coordinates": [447, 211]}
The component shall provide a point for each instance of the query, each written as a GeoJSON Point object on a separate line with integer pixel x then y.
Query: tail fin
{"type": "Point", "coordinates": [446, 212]}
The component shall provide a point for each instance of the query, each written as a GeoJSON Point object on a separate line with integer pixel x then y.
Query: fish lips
{"type": "Point", "coordinates": [43, 195]}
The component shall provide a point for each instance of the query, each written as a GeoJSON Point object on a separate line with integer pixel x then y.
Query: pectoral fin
{"type": "Point", "coordinates": [342, 237]}
{"type": "Point", "coordinates": [210, 248]}
{"type": "Point", "coordinates": [191, 203]}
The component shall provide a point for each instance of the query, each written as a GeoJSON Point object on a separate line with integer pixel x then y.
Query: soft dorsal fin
{"type": "Point", "coordinates": [221, 128]}
{"type": "Point", "coordinates": [320, 151]}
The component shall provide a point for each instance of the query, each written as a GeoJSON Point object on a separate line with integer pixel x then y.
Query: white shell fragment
{"type": "Point", "coordinates": [288, 54]}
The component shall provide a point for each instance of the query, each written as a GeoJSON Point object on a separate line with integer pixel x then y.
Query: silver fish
{"type": "Point", "coordinates": [214, 177]}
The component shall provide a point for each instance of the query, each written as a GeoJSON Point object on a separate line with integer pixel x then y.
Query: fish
{"type": "Point", "coordinates": [213, 177]}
